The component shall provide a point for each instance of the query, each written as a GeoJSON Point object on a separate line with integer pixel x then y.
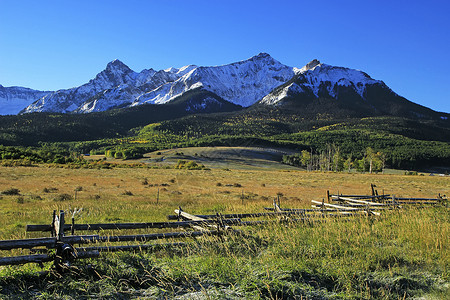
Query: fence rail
{"type": "Point", "coordinates": [344, 207]}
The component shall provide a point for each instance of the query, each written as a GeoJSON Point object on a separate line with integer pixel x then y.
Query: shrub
{"type": "Point", "coordinates": [11, 191]}
{"type": "Point", "coordinates": [127, 193]}
{"type": "Point", "coordinates": [20, 200]}
{"type": "Point", "coordinates": [189, 165]}
{"type": "Point", "coordinates": [110, 153]}
{"type": "Point", "coordinates": [50, 190]}
{"type": "Point", "coordinates": [414, 173]}
{"type": "Point", "coordinates": [63, 197]}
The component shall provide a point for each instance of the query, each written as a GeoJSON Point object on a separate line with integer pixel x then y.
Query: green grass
{"type": "Point", "coordinates": [379, 259]}
{"type": "Point", "coordinates": [402, 254]}
{"type": "Point", "coordinates": [249, 158]}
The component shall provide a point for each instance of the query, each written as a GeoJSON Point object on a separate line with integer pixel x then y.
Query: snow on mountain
{"type": "Point", "coordinates": [14, 99]}
{"type": "Point", "coordinates": [322, 80]}
{"type": "Point", "coordinates": [116, 86]}
{"type": "Point", "coordinates": [115, 74]}
{"type": "Point", "coordinates": [339, 76]}
{"type": "Point", "coordinates": [242, 83]}
{"type": "Point", "coordinates": [259, 79]}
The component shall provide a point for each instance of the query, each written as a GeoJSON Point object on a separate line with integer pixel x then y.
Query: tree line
{"type": "Point", "coordinates": [332, 159]}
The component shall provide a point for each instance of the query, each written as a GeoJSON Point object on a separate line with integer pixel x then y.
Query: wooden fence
{"type": "Point", "coordinates": [61, 248]}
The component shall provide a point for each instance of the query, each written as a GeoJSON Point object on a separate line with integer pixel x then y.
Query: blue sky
{"type": "Point", "coordinates": [50, 45]}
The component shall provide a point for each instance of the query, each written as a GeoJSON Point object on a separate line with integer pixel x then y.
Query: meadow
{"type": "Point", "coordinates": [402, 254]}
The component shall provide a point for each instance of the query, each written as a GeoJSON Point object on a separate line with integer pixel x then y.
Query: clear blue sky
{"type": "Point", "coordinates": [50, 45]}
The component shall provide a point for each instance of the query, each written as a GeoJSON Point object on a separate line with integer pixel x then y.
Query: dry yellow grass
{"type": "Point", "coordinates": [409, 246]}
{"type": "Point", "coordinates": [103, 195]}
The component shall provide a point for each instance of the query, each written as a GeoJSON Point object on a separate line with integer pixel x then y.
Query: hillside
{"type": "Point", "coordinates": [31, 129]}
{"type": "Point", "coordinates": [406, 143]}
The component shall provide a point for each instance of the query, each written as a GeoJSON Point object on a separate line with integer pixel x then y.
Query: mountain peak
{"type": "Point", "coordinates": [262, 59]}
{"type": "Point", "coordinates": [309, 66]}
{"type": "Point", "coordinates": [263, 55]}
{"type": "Point", "coordinates": [117, 64]}
{"type": "Point", "coordinates": [312, 64]}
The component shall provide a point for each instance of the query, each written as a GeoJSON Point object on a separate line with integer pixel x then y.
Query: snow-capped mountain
{"type": "Point", "coordinates": [349, 90]}
{"type": "Point", "coordinates": [320, 80]}
{"type": "Point", "coordinates": [242, 83]}
{"type": "Point", "coordinates": [14, 99]}
{"type": "Point", "coordinates": [258, 80]}
{"type": "Point", "coordinates": [115, 86]}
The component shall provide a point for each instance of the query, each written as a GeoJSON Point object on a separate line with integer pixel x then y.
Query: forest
{"type": "Point", "coordinates": [331, 142]}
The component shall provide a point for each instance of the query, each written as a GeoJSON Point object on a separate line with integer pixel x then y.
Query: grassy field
{"type": "Point", "coordinates": [248, 158]}
{"type": "Point", "coordinates": [400, 255]}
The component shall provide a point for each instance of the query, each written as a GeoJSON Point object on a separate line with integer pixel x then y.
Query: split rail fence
{"type": "Point", "coordinates": [61, 248]}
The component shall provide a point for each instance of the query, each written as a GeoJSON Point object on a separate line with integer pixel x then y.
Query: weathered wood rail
{"type": "Point", "coordinates": [122, 226]}
{"type": "Point", "coordinates": [41, 250]}
{"type": "Point", "coordinates": [65, 244]}
{"type": "Point", "coordinates": [375, 197]}
{"type": "Point", "coordinates": [50, 242]}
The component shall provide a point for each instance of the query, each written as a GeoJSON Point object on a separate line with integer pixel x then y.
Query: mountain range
{"type": "Point", "coordinates": [260, 80]}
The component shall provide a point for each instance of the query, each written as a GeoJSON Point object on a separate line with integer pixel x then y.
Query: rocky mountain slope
{"type": "Point", "coordinates": [242, 83]}
{"type": "Point", "coordinates": [14, 99]}
{"type": "Point", "coordinates": [260, 80]}
{"type": "Point", "coordinates": [115, 86]}
{"type": "Point", "coordinates": [347, 89]}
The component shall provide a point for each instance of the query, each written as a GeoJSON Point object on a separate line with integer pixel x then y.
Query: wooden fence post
{"type": "Point", "coordinates": [53, 232]}
{"type": "Point", "coordinates": [179, 213]}
{"type": "Point", "coordinates": [61, 225]}
{"type": "Point", "coordinates": [73, 225]}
